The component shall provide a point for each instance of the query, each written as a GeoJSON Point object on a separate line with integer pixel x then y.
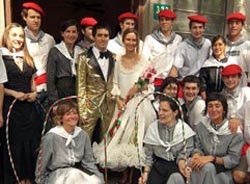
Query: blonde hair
{"type": "Point", "coordinates": [27, 58]}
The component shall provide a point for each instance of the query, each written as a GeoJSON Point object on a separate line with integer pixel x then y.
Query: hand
{"type": "Point", "coordinates": [20, 96]}
{"type": "Point", "coordinates": [31, 96]}
{"type": "Point", "coordinates": [1, 120]}
{"type": "Point", "coordinates": [198, 162]}
{"type": "Point", "coordinates": [120, 104]}
{"type": "Point", "coordinates": [54, 109]}
{"type": "Point", "coordinates": [187, 172]}
{"type": "Point", "coordinates": [234, 124]}
{"type": "Point", "coordinates": [132, 91]}
{"type": "Point", "coordinates": [184, 168]}
{"type": "Point", "coordinates": [143, 179]}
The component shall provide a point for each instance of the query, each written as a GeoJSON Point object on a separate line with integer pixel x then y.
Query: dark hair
{"type": "Point", "coordinates": [174, 104]}
{"type": "Point", "coordinates": [167, 81]}
{"type": "Point", "coordinates": [101, 26]}
{"type": "Point", "coordinates": [127, 31]}
{"type": "Point", "coordinates": [217, 37]}
{"type": "Point", "coordinates": [67, 23]}
{"type": "Point", "coordinates": [217, 97]}
{"type": "Point", "coordinates": [191, 79]}
{"type": "Point", "coordinates": [191, 22]}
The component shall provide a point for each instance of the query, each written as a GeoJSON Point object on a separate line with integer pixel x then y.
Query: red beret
{"type": "Point", "coordinates": [34, 6]}
{"type": "Point", "coordinates": [236, 15]}
{"type": "Point", "coordinates": [198, 18]}
{"type": "Point", "coordinates": [127, 15]}
{"type": "Point", "coordinates": [231, 70]}
{"type": "Point", "coordinates": [88, 21]}
{"type": "Point", "coordinates": [167, 13]}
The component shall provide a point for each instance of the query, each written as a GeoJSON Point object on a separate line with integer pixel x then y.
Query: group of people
{"type": "Point", "coordinates": [176, 108]}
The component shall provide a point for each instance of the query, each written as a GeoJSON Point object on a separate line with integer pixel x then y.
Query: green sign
{"type": "Point", "coordinates": [158, 7]}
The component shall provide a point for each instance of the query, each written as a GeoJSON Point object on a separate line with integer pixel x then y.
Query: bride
{"type": "Point", "coordinates": [124, 139]}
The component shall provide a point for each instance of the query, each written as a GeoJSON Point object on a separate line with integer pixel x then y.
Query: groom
{"type": "Point", "coordinates": [94, 81]}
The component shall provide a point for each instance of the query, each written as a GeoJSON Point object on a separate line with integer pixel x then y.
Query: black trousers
{"type": "Point", "coordinates": [161, 171]}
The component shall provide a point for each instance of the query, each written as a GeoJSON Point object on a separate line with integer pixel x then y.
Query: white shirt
{"type": "Point", "coordinates": [244, 114]}
{"type": "Point", "coordinates": [39, 52]}
{"type": "Point", "coordinates": [189, 60]}
{"type": "Point", "coordinates": [159, 55]}
{"type": "Point", "coordinates": [3, 74]}
{"type": "Point", "coordinates": [235, 50]}
{"type": "Point", "coordinates": [103, 62]}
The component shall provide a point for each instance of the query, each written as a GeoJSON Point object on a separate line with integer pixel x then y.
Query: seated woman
{"type": "Point", "coordinates": [66, 155]}
{"type": "Point", "coordinates": [217, 150]}
{"type": "Point", "coordinates": [164, 146]}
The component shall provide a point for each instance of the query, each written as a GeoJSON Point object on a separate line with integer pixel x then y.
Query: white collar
{"type": "Point", "coordinates": [59, 130]}
{"type": "Point", "coordinates": [152, 136]}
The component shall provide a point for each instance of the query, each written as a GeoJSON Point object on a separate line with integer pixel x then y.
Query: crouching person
{"type": "Point", "coordinates": [66, 155]}
{"type": "Point", "coordinates": [164, 149]}
{"type": "Point", "coordinates": [217, 150]}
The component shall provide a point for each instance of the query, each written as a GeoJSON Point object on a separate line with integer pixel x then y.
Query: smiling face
{"type": "Point", "coordinates": [88, 33]}
{"type": "Point", "coordinates": [127, 24]}
{"type": "Point", "coordinates": [215, 111]}
{"type": "Point", "coordinates": [130, 42]}
{"type": "Point", "coordinates": [234, 28]}
{"type": "Point", "coordinates": [101, 39]}
{"type": "Point", "coordinates": [33, 20]}
{"type": "Point", "coordinates": [15, 40]}
{"type": "Point", "coordinates": [171, 90]}
{"type": "Point", "coordinates": [70, 35]}
{"type": "Point", "coordinates": [219, 48]}
{"type": "Point", "coordinates": [166, 115]}
{"type": "Point", "coordinates": [166, 24]}
{"type": "Point", "coordinates": [190, 91]}
{"type": "Point", "coordinates": [70, 119]}
{"type": "Point", "coordinates": [231, 81]}
{"type": "Point", "coordinates": [197, 29]}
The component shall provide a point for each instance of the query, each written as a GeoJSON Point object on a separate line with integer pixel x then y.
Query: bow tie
{"type": "Point", "coordinates": [104, 55]}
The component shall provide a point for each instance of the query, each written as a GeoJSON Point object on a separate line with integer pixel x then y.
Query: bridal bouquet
{"type": "Point", "coordinates": [146, 78]}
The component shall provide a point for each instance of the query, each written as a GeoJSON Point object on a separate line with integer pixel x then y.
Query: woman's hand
{"type": "Point", "coordinates": [132, 91]}
{"type": "Point", "coordinates": [184, 169]}
{"type": "Point", "coordinates": [31, 97]}
{"type": "Point", "coordinates": [198, 162]}
{"type": "Point", "coordinates": [120, 104]}
{"type": "Point", "coordinates": [143, 179]}
{"type": "Point", "coordinates": [20, 96]}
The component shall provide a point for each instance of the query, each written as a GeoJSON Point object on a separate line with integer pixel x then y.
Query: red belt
{"type": "Point", "coordinates": [41, 79]}
{"type": "Point", "coordinates": [244, 149]}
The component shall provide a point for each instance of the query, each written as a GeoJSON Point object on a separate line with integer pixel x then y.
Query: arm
{"type": "Point", "coordinates": [16, 94]}
{"type": "Point", "coordinates": [148, 162]}
{"type": "Point", "coordinates": [179, 59]}
{"type": "Point", "coordinates": [233, 153]}
{"type": "Point", "coordinates": [81, 82]}
{"type": "Point", "coordinates": [146, 51]}
{"type": "Point", "coordinates": [32, 95]}
{"type": "Point", "coordinates": [1, 104]}
{"type": "Point", "coordinates": [203, 79]}
{"type": "Point", "coordinates": [88, 161]}
{"type": "Point", "coordinates": [116, 90]}
{"type": "Point", "coordinates": [51, 76]}
{"type": "Point", "coordinates": [42, 171]}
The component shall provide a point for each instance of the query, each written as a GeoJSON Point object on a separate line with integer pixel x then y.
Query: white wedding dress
{"type": "Point", "coordinates": [123, 148]}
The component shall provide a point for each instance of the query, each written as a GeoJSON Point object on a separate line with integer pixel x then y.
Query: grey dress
{"type": "Point", "coordinates": [61, 155]}
{"type": "Point", "coordinates": [217, 141]}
